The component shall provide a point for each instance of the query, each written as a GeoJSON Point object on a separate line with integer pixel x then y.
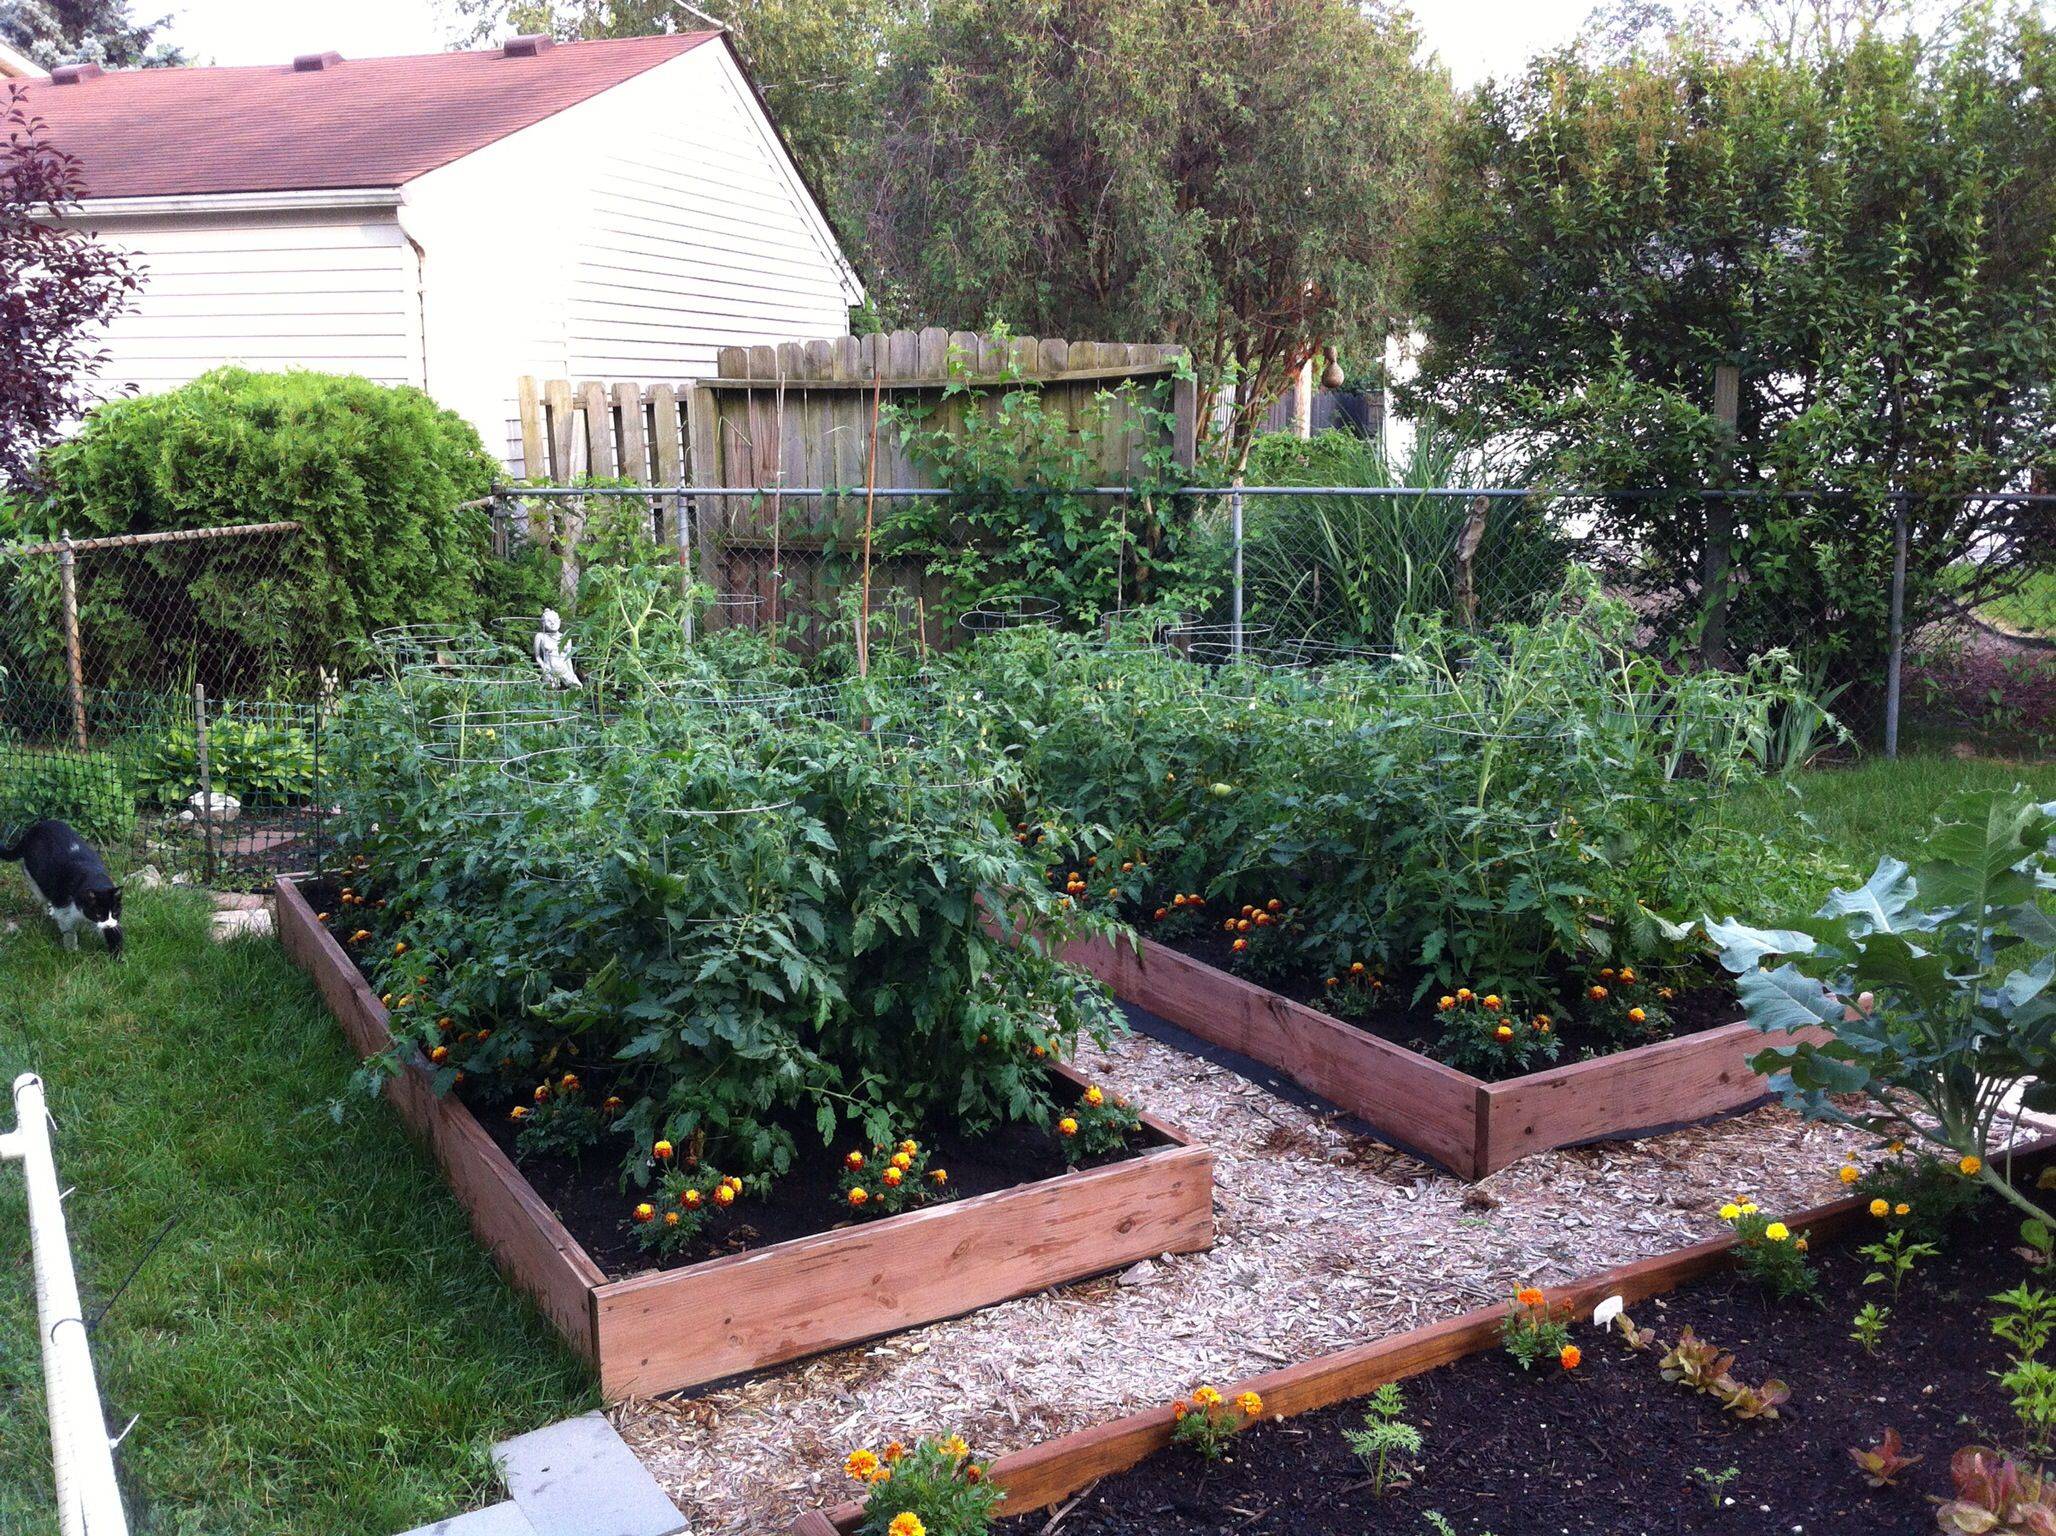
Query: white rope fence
{"type": "Point", "coordinates": [81, 1455]}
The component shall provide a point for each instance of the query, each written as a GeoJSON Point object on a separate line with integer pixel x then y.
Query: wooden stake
{"type": "Point", "coordinates": [777, 499]}
{"type": "Point", "coordinates": [74, 662]}
{"type": "Point", "coordinates": [206, 807]}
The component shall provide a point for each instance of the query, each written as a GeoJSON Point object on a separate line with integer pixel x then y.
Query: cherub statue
{"type": "Point", "coordinates": [553, 654]}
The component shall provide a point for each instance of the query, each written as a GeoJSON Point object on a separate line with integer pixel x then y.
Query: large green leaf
{"type": "Point", "coordinates": [1787, 998]}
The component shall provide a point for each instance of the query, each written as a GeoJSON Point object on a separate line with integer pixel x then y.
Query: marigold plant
{"type": "Point", "coordinates": [932, 1488]}
{"type": "Point", "coordinates": [888, 1178]}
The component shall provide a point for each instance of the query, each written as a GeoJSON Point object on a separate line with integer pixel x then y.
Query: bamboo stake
{"type": "Point", "coordinates": [777, 500]}
{"type": "Point", "coordinates": [74, 662]}
{"type": "Point", "coordinates": [870, 496]}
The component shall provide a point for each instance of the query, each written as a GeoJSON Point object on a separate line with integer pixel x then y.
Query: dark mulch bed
{"type": "Point", "coordinates": [1699, 1005]}
{"type": "Point", "coordinates": [590, 1196]}
{"type": "Point", "coordinates": [1611, 1449]}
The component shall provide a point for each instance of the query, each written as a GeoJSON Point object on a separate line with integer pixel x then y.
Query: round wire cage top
{"type": "Point", "coordinates": [1023, 612]}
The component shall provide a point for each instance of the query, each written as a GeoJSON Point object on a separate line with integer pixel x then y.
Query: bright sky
{"type": "Point", "coordinates": [1475, 37]}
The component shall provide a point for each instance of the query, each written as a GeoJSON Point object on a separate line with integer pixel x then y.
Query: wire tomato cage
{"type": "Point", "coordinates": [1024, 612]}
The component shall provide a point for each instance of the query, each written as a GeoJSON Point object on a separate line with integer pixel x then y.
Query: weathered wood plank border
{"type": "Point", "coordinates": [1467, 1125]}
{"type": "Point", "coordinates": [672, 1329]}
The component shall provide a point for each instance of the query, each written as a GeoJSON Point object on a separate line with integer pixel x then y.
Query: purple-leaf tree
{"type": "Point", "coordinates": [58, 289]}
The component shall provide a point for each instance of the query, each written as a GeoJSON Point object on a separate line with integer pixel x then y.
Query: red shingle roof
{"type": "Point", "coordinates": [356, 123]}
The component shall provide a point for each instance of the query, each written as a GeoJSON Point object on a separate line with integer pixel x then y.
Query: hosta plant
{"type": "Point", "coordinates": [1933, 977]}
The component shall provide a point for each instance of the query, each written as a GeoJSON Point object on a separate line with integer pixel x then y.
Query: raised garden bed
{"type": "Point", "coordinates": [670, 1329]}
{"type": "Point", "coordinates": [1467, 1125]}
{"type": "Point", "coordinates": [1608, 1447]}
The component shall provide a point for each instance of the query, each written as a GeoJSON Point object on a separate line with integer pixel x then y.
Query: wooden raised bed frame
{"type": "Point", "coordinates": [665, 1330]}
{"type": "Point", "coordinates": [1469, 1126]}
{"type": "Point", "coordinates": [1041, 1475]}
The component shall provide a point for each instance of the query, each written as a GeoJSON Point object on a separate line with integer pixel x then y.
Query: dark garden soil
{"type": "Point", "coordinates": [594, 1202]}
{"type": "Point", "coordinates": [1699, 1004]}
{"type": "Point", "coordinates": [1612, 1449]}
{"type": "Point", "coordinates": [591, 1200]}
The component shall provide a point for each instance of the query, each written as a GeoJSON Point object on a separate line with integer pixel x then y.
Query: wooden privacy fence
{"type": "Point", "coordinates": [800, 414]}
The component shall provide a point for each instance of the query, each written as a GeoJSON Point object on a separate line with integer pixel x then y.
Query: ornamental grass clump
{"type": "Point", "coordinates": [932, 1488]}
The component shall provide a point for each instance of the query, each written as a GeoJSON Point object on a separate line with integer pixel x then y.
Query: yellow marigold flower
{"type": "Point", "coordinates": [1528, 1296]}
{"type": "Point", "coordinates": [724, 1194]}
{"type": "Point", "coordinates": [1356, 967]}
{"type": "Point", "coordinates": [1570, 1356]}
{"type": "Point", "coordinates": [645, 1211]}
{"type": "Point", "coordinates": [891, 1178]}
{"type": "Point", "coordinates": [661, 1151]}
{"type": "Point", "coordinates": [953, 1446]}
{"type": "Point", "coordinates": [1492, 1001]}
{"type": "Point", "coordinates": [902, 1161]}
{"type": "Point", "coordinates": [1777, 1231]}
{"type": "Point", "coordinates": [1445, 1003]}
{"type": "Point", "coordinates": [1464, 994]}
{"type": "Point", "coordinates": [1637, 1016]}
{"type": "Point", "coordinates": [1503, 1033]}
{"type": "Point", "coordinates": [518, 1112]}
{"type": "Point", "coordinates": [854, 1160]}
{"type": "Point", "coordinates": [1067, 1126]}
{"type": "Point", "coordinates": [671, 1218]}
{"type": "Point", "coordinates": [910, 1146]}
{"type": "Point", "coordinates": [1095, 1096]}
{"type": "Point", "coordinates": [1730, 1211]}
{"type": "Point", "coordinates": [1249, 1404]}
{"type": "Point", "coordinates": [1606, 973]}
{"type": "Point", "coordinates": [940, 1175]}
{"type": "Point", "coordinates": [1895, 1147]}
{"type": "Point", "coordinates": [1748, 1207]}
{"type": "Point", "coordinates": [861, 1464]}
{"type": "Point", "coordinates": [1879, 1208]}
{"type": "Point", "coordinates": [1207, 1397]}
{"type": "Point", "coordinates": [690, 1199]}
{"type": "Point", "coordinates": [1597, 994]}
{"type": "Point", "coordinates": [906, 1523]}
{"type": "Point", "coordinates": [859, 1195]}
{"type": "Point", "coordinates": [1902, 1209]}
{"type": "Point", "coordinates": [1849, 1174]}
{"type": "Point", "coordinates": [1627, 975]}
{"type": "Point", "coordinates": [1970, 1166]}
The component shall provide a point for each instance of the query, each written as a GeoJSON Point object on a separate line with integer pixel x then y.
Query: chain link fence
{"type": "Point", "coordinates": [165, 694]}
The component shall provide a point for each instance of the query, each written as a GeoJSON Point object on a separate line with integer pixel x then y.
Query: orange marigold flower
{"type": "Point", "coordinates": [1095, 1095]}
{"type": "Point", "coordinates": [1636, 1016]}
{"type": "Point", "coordinates": [1528, 1296]}
{"type": "Point", "coordinates": [854, 1160]}
{"type": "Point", "coordinates": [1627, 975]}
{"type": "Point", "coordinates": [645, 1211]}
{"type": "Point", "coordinates": [439, 1055]}
{"type": "Point", "coordinates": [612, 1105]}
{"type": "Point", "coordinates": [902, 1160]}
{"type": "Point", "coordinates": [1464, 994]}
{"type": "Point", "coordinates": [1445, 1002]}
{"type": "Point", "coordinates": [1570, 1355]}
{"type": "Point", "coordinates": [893, 1451]}
{"type": "Point", "coordinates": [1207, 1397]}
{"type": "Point", "coordinates": [1597, 994]}
{"type": "Point", "coordinates": [671, 1218]}
{"type": "Point", "coordinates": [939, 1175]}
{"type": "Point", "coordinates": [661, 1151]}
{"type": "Point", "coordinates": [906, 1523]}
{"type": "Point", "coordinates": [1970, 1165]}
{"type": "Point", "coordinates": [891, 1178]}
{"type": "Point", "coordinates": [518, 1112]}
{"type": "Point", "coordinates": [690, 1199]}
{"type": "Point", "coordinates": [1491, 1000]}
{"type": "Point", "coordinates": [724, 1194]}
{"type": "Point", "coordinates": [1606, 973]}
{"type": "Point", "coordinates": [859, 1195]}
{"type": "Point", "coordinates": [1067, 1126]}
{"type": "Point", "coordinates": [1250, 1404]}
{"type": "Point", "coordinates": [1332, 981]}
{"type": "Point", "coordinates": [861, 1464]}
{"type": "Point", "coordinates": [973, 1473]}
{"type": "Point", "coordinates": [1356, 967]}
{"type": "Point", "coordinates": [1503, 1034]}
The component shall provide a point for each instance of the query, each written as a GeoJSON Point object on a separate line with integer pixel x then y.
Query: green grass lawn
{"type": "Point", "coordinates": [319, 1345]}
{"type": "Point", "coordinates": [1879, 806]}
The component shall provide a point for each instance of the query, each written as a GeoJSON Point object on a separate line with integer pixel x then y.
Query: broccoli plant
{"type": "Point", "coordinates": [1934, 1023]}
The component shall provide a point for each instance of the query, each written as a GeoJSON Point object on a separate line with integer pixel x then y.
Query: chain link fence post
{"type": "Point", "coordinates": [1235, 521]}
{"type": "Point", "coordinates": [206, 806]}
{"type": "Point", "coordinates": [1896, 664]}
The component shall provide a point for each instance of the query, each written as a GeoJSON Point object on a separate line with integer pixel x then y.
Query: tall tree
{"type": "Point", "coordinates": [57, 289]}
{"type": "Point", "coordinates": [54, 32]}
{"type": "Point", "coordinates": [1867, 233]}
{"type": "Point", "coordinates": [1229, 174]}
{"type": "Point", "coordinates": [816, 61]}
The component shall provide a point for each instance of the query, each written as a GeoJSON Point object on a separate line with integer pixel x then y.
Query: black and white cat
{"type": "Point", "coordinates": [68, 877]}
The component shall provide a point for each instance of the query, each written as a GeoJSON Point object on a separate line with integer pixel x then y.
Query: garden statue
{"type": "Point", "coordinates": [552, 658]}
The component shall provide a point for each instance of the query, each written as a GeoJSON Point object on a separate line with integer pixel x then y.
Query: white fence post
{"type": "Point", "coordinates": [81, 1455]}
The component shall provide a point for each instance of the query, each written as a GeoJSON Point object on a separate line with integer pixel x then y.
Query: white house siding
{"type": "Point", "coordinates": [338, 292]}
{"type": "Point", "coordinates": [626, 238]}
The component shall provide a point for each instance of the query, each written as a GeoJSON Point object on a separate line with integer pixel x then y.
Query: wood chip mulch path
{"type": "Point", "coordinates": [1325, 1238]}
